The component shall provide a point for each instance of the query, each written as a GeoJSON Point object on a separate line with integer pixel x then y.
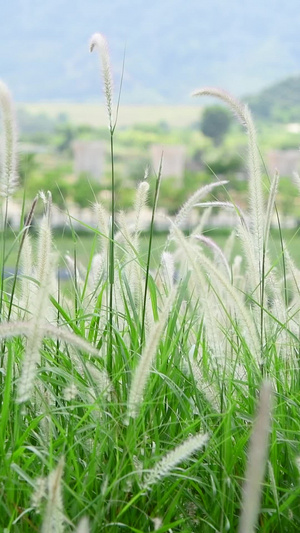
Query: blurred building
{"type": "Point", "coordinates": [285, 161]}
{"type": "Point", "coordinates": [89, 158]}
{"type": "Point", "coordinates": [173, 160]}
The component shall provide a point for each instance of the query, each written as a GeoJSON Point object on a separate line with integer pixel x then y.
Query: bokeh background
{"type": "Point", "coordinates": [172, 46]}
{"type": "Point", "coordinates": [169, 48]}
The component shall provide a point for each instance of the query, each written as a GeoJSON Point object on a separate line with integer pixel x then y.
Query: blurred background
{"type": "Point", "coordinates": [171, 47]}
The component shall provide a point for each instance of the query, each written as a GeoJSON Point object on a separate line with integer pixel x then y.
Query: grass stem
{"type": "Point", "coordinates": [156, 195]}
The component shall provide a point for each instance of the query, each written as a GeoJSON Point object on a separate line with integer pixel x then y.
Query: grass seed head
{"type": "Point", "coordinates": [98, 41]}
{"type": "Point", "coordinates": [8, 155]}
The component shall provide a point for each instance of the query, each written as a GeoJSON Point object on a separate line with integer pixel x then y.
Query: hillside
{"type": "Point", "coordinates": [280, 102]}
{"type": "Point", "coordinates": [172, 47]}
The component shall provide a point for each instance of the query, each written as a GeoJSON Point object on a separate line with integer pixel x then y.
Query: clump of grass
{"type": "Point", "coordinates": [130, 404]}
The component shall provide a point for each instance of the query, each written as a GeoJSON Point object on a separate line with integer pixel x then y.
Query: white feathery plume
{"type": "Point", "coordinates": [140, 202]}
{"type": "Point", "coordinates": [279, 311]}
{"type": "Point", "coordinates": [293, 270]}
{"type": "Point", "coordinates": [149, 318]}
{"type": "Point", "coordinates": [44, 243]}
{"type": "Point", "coordinates": [257, 208]}
{"type": "Point", "coordinates": [229, 245]}
{"type": "Point", "coordinates": [130, 236]}
{"type": "Point", "coordinates": [39, 493]}
{"type": "Point", "coordinates": [199, 290]}
{"type": "Point", "coordinates": [54, 517]}
{"type": "Point", "coordinates": [218, 252]}
{"type": "Point", "coordinates": [157, 522]}
{"type": "Point", "coordinates": [203, 220]}
{"type": "Point", "coordinates": [83, 526]}
{"type": "Point", "coordinates": [225, 205]}
{"type": "Point", "coordinates": [103, 225]}
{"type": "Point", "coordinates": [143, 369]}
{"type": "Point", "coordinates": [132, 268]}
{"type": "Point", "coordinates": [257, 459]}
{"type": "Point", "coordinates": [8, 156]}
{"type": "Point", "coordinates": [237, 107]}
{"type": "Point", "coordinates": [15, 329]}
{"type": "Point", "coordinates": [190, 204]}
{"type": "Point", "coordinates": [74, 272]}
{"type": "Point", "coordinates": [96, 271]}
{"type": "Point", "coordinates": [64, 335]}
{"type": "Point", "coordinates": [134, 274]}
{"type": "Point", "coordinates": [233, 298]}
{"type": "Point", "coordinates": [118, 297]}
{"type": "Point", "coordinates": [136, 277]}
{"type": "Point", "coordinates": [92, 280]}
{"type": "Point", "coordinates": [218, 281]}
{"type": "Point", "coordinates": [28, 287]}
{"type": "Point", "coordinates": [38, 327]}
{"type": "Point", "coordinates": [34, 338]}
{"type": "Point", "coordinates": [255, 180]}
{"type": "Point", "coordinates": [98, 41]}
{"type": "Point", "coordinates": [181, 453]}
{"type": "Point", "coordinates": [214, 320]}
{"type": "Point", "coordinates": [44, 400]}
{"type": "Point", "coordinates": [270, 207]}
{"type": "Point", "coordinates": [70, 392]}
{"type": "Point", "coordinates": [168, 270]}
{"type": "Point", "coordinates": [296, 180]}
{"type": "Point", "coordinates": [252, 272]}
{"type": "Point", "coordinates": [238, 279]}
{"type": "Point", "coordinates": [124, 233]}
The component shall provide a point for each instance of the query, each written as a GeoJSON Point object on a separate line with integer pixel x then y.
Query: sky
{"type": "Point", "coordinates": [172, 46]}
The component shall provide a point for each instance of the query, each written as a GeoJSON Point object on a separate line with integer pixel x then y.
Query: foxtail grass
{"type": "Point", "coordinates": [8, 164]}
{"type": "Point", "coordinates": [98, 41]}
{"type": "Point", "coordinates": [257, 459]}
{"type": "Point", "coordinates": [127, 398]}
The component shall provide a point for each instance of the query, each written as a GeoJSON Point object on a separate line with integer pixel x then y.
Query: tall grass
{"type": "Point", "coordinates": [130, 405]}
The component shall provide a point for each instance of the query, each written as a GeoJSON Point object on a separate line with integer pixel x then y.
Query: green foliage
{"type": "Point", "coordinates": [85, 190]}
{"type": "Point", "coordinates": [215, 122]}
{"type": "Point", "coordinates": [27, 166]}
{"type": "Point", "coordinates": [75, 414]}
{"type": "Point", "coordinates": [30, 123]}
{"type": "Point", "coordinates": [54, 179]}
{"type": "Point", "coordinates": [287, 191]}
{"type": "Point", "coordinates": [135, 168]}
{"type": "Point", "coordinates": [65, 134]}
{"type": "Point", "coordinates": [278, 103]}
{"type": "Point", "coordinates": [223, 162]}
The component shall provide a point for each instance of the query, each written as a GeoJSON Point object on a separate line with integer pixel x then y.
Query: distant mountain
{"type": "Point", "coordinates": [280, 102]}
{"type": "Point", "coordinates": [172, 46]}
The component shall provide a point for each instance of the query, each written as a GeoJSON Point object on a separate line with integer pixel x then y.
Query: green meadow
{"type": "Point", "coordinates": [158, 388]}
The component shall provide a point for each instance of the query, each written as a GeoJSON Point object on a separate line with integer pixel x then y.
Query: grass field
{"type": "Point", "coordinates": [94, 114]}
{"type": "Point", "coordinates": [161, 391]}
{"type": "Point", "coordinates": [87, 243]}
